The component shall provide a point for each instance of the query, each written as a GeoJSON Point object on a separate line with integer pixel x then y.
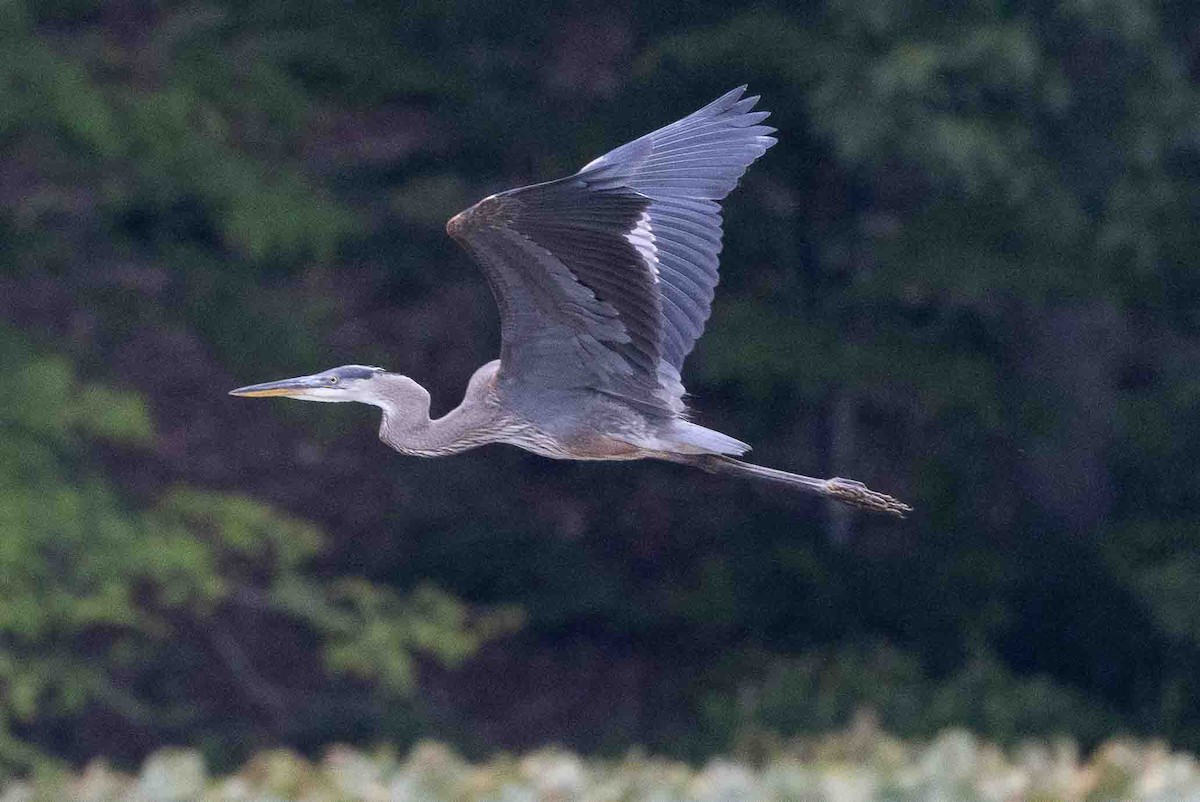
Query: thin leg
{"type": "Point", "coordinates": [847, 491]}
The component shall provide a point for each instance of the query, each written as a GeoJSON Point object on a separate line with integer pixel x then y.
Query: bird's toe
{"type": "Point", "coordinates": [854, 492]}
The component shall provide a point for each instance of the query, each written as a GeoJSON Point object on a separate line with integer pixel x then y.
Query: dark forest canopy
{"type": "Point", "coordinates": [965, 275]}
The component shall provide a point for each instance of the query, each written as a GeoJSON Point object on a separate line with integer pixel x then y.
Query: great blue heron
{"type": "Point", "coordinates": [604, 281]}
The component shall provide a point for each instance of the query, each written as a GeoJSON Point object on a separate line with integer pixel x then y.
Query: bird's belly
{"type": "Point", "coordinates": [578, 447]}
{"type": "Point", "coordinates": [617, 451]}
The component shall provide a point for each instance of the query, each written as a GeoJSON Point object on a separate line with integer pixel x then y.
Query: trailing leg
{"type": "Point", "coordinates": [846, 491]}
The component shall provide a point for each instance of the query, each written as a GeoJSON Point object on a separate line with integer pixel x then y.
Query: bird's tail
{"type": "Point", "coordinates": [846, 491]}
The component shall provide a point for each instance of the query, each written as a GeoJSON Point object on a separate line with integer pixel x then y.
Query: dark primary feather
{"type": "Point", "coordinates": [605, 278]}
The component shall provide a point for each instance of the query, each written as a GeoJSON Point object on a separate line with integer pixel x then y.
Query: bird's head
{"type": "Point", "coordinates": [347, 383]}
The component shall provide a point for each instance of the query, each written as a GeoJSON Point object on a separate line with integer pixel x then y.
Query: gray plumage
{"type": "Point", "coordinates": [604, 280]}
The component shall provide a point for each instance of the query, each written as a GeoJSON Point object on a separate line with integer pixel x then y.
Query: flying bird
{"type": "Point", "coordinates": [604, 280]}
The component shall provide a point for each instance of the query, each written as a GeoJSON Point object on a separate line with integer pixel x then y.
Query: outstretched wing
{"type": "Point", "coordinates": [605, 279]}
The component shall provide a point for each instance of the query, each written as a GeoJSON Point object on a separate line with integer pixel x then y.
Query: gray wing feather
{"type": "Point", "coordinates": [685, 168]}
{"type": "Point", "coordinates": [605, 279]}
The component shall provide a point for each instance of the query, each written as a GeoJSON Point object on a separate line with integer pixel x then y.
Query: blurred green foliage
{"type": "Point", "coordinates": [822, 691]}
{"type": "Point", "coordinates": [965, 275]}
{"type": "Point", "coordinates": [94, 593]}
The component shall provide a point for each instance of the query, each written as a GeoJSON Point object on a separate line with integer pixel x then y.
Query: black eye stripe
{"type": "Point", "coordinates": [357, 372]}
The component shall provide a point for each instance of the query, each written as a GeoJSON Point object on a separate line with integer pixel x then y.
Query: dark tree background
{"type": "Point", "coordinates": [965, 275]}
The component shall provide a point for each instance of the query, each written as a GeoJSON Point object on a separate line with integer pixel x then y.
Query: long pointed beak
{"type": "Point", "coordinates": [293, 387]}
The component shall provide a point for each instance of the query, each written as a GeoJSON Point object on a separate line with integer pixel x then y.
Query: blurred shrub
{"type": "Point", "coordinates": [825, 689]}
{"type": "Point", "coordinates": [103, 605]}
{"type": "Point", "coordinates": [862, 764]}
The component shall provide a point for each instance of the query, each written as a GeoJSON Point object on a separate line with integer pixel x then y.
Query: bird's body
{"type": "Point", "coordinates": [604, 281]}
{"type": "Point", "coordinates": [583, 427]}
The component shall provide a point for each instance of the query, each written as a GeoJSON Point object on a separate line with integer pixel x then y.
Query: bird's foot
{"type": "Point", "coordinates": [851, 492]}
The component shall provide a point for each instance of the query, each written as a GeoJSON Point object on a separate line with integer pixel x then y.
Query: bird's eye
{"type": "Point", "coordinates": [333, 379]}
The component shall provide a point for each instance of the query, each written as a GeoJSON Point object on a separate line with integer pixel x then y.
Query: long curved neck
{"type": "Point", "coordinates": [407, 427]}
